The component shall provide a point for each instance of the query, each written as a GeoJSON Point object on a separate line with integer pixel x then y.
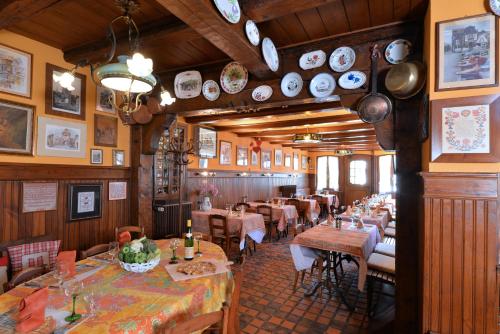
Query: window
{"type": "Point", "coordinates": [327, 172]}
{"type": "Point", "coordinates": [387, 178]}
{"type": "Point", "coordinates": [357, 172]}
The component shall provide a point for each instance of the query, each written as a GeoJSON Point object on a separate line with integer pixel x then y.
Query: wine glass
{"type": "Point", "coordinates": [73, 289]}
{"type": "Point", "coordinates": [174, 243]}
{"type": "Point", "coordinates": [60, 273]}
{"type": "Point", "coordinates": [114, 246]}
{"type": "Point", "coordinates": [198, 237]}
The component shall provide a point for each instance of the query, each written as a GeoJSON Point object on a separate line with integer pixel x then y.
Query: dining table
{"type": "Point", "coordinates": [330, 200]}
{"type": "Point", "coordinates": [125, 302]}
{"type": "Point", "coordinates": [285, 214]}
{"type": "Point", "coordinates": [311, 206]}
{"type": "Point", "coordinates": [251, 224]}
{"type": "Point", "coordinates": [380, 219]}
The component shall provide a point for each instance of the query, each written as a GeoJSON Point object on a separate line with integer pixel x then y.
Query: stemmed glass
{"type": "Point", "coordinates": [113, 249]}
{"type": "Point", "coordinates": [198, 237]}
{"type": "Point", "coordinates": [73, 289]}
{"type": "Point", "coordinates": [61, 272]}
{"type": "Point", "coordinates": [174, 243]}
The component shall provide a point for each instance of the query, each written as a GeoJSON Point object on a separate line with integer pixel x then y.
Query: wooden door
{"type": "Point", "coordinates": [358, 177]}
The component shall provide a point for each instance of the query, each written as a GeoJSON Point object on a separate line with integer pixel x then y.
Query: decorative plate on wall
{"type": "Point", "coordinates": [270, 54]}
{"type": "Point", "coordinates": [252, 32]}
{"type": "Point", "coordinates": [187, 84]}
{"type": "Point", "coordinates": [230, 10]}
{"type": "Point", "coordinates": [291, 84]}
{"type": "Point", "coordinates": [397, 51]}
{"type": "Point", "coordinates": [262, 93]}
{"type": "Point", "coordinates": [312, 59]}
{"type": "Point", "coordinates": [322, 85]}
{"type": "Point", "coordinates": [342, 59]}
{"type": "Point", "coordinates": [352, 80]}
{"type": "Point", "coordinates": [211, 90]}
{"type": "Point", "coordinates": [234, 78]}
{"type": "Point", "coordinates": [495, 7]}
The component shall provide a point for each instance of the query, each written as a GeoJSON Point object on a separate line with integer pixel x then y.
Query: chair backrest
{"type": "Point", "coordinates": [94, 250]}
{"type": "Point", "coordinates": [295, 202]}
{"type": "Point", "coordinates": [259, 201]}
{"type": "Point", "coordinates": [218, 225]}
{"type": "Point", "coordinates": [266, 211]}
{"type": "Point", "coordinates": [24, 276]}
{"type": "Point", "coordinates": [234, 322]}
{"type": "Point", "coordinates": [200, 322]}
{"type": "Point", "coordinates": [131, 228]}
{"type": "Point", "coordinates": [319, 199]}
{"type": "Point", "coordinates": [239, 205]}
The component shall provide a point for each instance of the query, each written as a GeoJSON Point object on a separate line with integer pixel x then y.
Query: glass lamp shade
{"type": "Point", "coordinates": [307, 138]}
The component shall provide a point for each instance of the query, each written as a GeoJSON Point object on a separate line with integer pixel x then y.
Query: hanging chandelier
{"type": "Point", "coordinates": [343, 152]}
{"type": "Point", "coordinates": [131, 76]}
{"type": "Point", "coordinates": [307, 138]}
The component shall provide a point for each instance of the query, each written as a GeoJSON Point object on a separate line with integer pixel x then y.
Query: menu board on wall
{"type": "Point", "coordinates": [39, 196]}
{"type": "Point", "coordinates": [117, 190]}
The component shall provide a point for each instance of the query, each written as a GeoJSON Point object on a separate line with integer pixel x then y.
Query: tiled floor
{"type": "Point", "coordinates": [268, 303]}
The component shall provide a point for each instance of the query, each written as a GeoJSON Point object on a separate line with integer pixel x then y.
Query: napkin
{"type": "Point", "coordinates": [124, 237]}
{"type": "Point", "coordinates": [32, 310]}
{"type": "Point", "coordinates": [348, 212]}
{"type": "Point", "coordinates": [67, 260]}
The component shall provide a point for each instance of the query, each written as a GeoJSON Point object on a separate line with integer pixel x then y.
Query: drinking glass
{"type": "Point", "coordinates": [113, 249]}
{"type": "Point", "coordinates": [174, 243]}
{"type": "Point", "coordinates": [61, 272]}
{"type": "Point", "coordinates": [198, 237]}
{"type": "Point", "coordinates": [73, 289]}
{"type": "Point", "coordinates": [91, 302]}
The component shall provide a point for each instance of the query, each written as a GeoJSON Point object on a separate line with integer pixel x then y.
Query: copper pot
{"type": "Point", "coordinates": [406, 79]}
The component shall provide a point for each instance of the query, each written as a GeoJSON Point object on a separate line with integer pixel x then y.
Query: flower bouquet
{"type": "Point", "coordinates": [139, 255]}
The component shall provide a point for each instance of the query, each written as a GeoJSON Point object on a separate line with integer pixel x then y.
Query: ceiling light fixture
{"type": "Point", "coordinates": [307, 138]}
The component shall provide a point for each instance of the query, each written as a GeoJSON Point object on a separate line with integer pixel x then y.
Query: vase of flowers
{"type": "Point", "coordinates": [207, 192]}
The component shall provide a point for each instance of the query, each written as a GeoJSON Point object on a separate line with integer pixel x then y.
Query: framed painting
{"type": "Point", "coordinates": [288, 160]}
{"type": "Point", "coordinates": [95, 156]}
{"type": "Point", "coordinates": [15, 71]}
{"type": "Point", "coordinates": [61, 101]}
{"type": "Point", "coordinates": [104, 98]}
{"type": "Point", "coordinates": [304, 161]}
{"type": "Point", "coordinates": [203, 163]}
{"type": "Point", "coordinates": [225, 152]}
{"type": "Point", "coordinates": [105, 130]}
{"type": "Point", "coordinates": [58, 138]}
{"type": "Point", "coordinates": [16, 128]}
{"type": "Point", "coordinates": [464, 129]}
{"type": "Point", "coordinates": [278, 157]}
{"type": "Point", "coordinates": [84, 201]}
{"type": "Point", "coordinates": [254, 158]}
{"type": "Point", "coordinates": [207, 142]}
{"type": "Point", "coordinates": [118, 158]}
{"type": "Point", "coordinates": [241, 156]}
{"type": "Point", "coordinates": [295, 161]}
{"type": "Point", "coordinates": [466, 52]}
{"type": "Point", "coordinates": [265, 157]}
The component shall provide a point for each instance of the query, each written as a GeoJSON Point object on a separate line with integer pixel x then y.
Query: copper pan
{"type": "Point", "coordinates": [406, 79]}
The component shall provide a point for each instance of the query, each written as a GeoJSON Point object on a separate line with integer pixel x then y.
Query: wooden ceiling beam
{"type": "Point", "coordinates": [14, 11]}
{"type": "Point", "coordinates": [265, 10]}
{"type": "Point", "coordinates": [326, 136]}
{"type": "Point", "coordinates": [330, 129]}
{"type": "Point", "coordinates": [202, 16]}
{"type": "Point", "coordinates": [289, 142]}
{"type": "Point", "coordinates": [323, 144]}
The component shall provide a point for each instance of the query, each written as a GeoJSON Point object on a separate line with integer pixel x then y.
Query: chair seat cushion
{"type": "Point", "coordinates": [385, 249]}
{"type": "Point", "coordinates": [391, 232]}
{"type": "Point", "coordinates": [392, 224]}
{"type": "Point", "coordinates": [33, 255]}
{"type": "Point", "coordinates": [382, 263]}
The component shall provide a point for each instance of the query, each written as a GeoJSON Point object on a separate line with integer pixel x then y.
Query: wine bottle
{"type": "Point", "coordinates": [189, 243]}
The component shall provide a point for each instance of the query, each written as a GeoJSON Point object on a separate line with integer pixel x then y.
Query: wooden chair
{"type": "Point", "coordinates": [259, 201]}
{"type": "Point", "coordinates": [131, 228]}
{"type": "Point", "coordinates": [219, 231]}
{"type": "Point", "coordinates": [385, 249]}
{"type": "Point", "coordinates": [94, 250]}
{"type": "Point", "coordinates": [267, 213]}
{"type": "Point", "coordinates": [25, 275]}
{"type": "Point", "coordinates": [301, 221]}
{"type": "Point", "coordinates": [234, 321]}
{"type": "Point", "coordinates": [323, 204]}
{"type": "Point", "coordinates": [381, 268]}
{"type": "Point", "coordinates": [238, 206]}
{"type": "Point", "coordinates": [199, 323]}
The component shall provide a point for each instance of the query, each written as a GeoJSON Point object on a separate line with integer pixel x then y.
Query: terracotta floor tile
{"type": "Point", "coordinates": [250, 329]}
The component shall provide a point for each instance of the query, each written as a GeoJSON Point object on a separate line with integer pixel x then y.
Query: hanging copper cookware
{"type": "Point", "coordinates": [374, 107]}
{"type": "Point", "coordinates": [405, 80]}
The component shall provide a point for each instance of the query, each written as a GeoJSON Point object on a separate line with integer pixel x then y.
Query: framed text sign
{"type": "Point", "coordinates": [39, 196]}
{"type": "Point", "coordinates": [117, 190]}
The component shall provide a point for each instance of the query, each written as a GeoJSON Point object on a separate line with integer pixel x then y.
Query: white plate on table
{"type": "Point", "coordinates": [291, 84]}
{"type": "Point", "coordinates": [397, 51]}
{"type": "Point", "coordinates": [234, 78]}
{"type": "Point", "coordinates": [352, 80]}
{"type": "Point", "coordinates": [262, 93]}
{"type": "Point", "coordinates": [230, 10]}
{"type": "Point", "coordinates": [342, 59]}
{"type": "Point", "coordinates": [211, 90]}
{"type": "Point", "coordinates": [252, 32]}
{"type": "Point", "coordinates": [270, 54]}
{"type": "Point", "coordinates": [312, 59]}
{"type": "Point", "coordinates": [187, 84]}
{"type": "Point", "coordinates": [322, 85]}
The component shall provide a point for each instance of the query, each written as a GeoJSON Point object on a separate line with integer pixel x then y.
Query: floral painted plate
{"type": "Point", "coordinates": [352, 80]}
{"type": "Point", "coordinates": [270, 54]}
{"type": "Point", "coordinates": [230, 10]}
{"type": "Point", "coordinates": [262, 93]}
{"type": "Point", "coordinates": [495, 7]}
{"type": "Point", "coordinates": [312, 59]}
{"type": "Point", "coordinates": [322, 85]}
{"type": "Point", "coordinates": [342, 59]}
{"type": "Point", "coordinates": [397, 51]}
{"type": "Point", "coordinates": [187, 84]}
{"type": "Point", "coordinates": [234, 78]}
{"type": "Point", "coordinates": [211, 90]}
{"type": "Point", "coordinates": [252, 32]}
{"type": "Point", "coordinates": [291, 84]}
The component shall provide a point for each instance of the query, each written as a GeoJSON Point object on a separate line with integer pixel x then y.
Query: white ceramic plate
{"type": "Point", "coordinates": [352, 80]}
{"type": "Point", "coordinates": [234, 78]}
{"type": "Point", "coordinates": [230, 10]}
{"type": "Point", "coordinates": [252, 32]}
{"type": "Point", "coordinates": [262, 93]}
{"type": "Point", "coordinates": [187, 84]}
{"type": "Point", "coordinates": [322, 85]}
{"type": "Point", "coordinates": [211, 90]}
{"type": "Point", "coordinates": [291, 84]}
{"type": "Point", "coordinates": [495, 7]}
{"type": "Point", "coordinates": [397, 51]}
{"type": "Point", "coordinates": [342, 59]}
{"type": "Point", "coordinates": [312, 59]}
{"type": "Point", "coordinates": [270, 54]}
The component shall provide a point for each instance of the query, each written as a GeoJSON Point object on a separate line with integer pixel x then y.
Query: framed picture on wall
{"type": "Point", "coordinates": [58, 138]}
{"type": "Point", "coordinates": [254, 158]}
{"type": "Point", "coordinates": [16, 128]}
{"type": "Point", "coordinates": [104, 98]}
{"type": "Point", "coordinates": [288, 160]}
{"type": "Point", "coordinates": [295, 161]}
{"type": "Point", "coordinates": [61, 101]}
{"type": "Point", "coordinates": [466, 54]}
{"type": "Point", "coordinates": [16, 69]}
{"type": "Point", "coordinates": [84, 201]}
{"type": "Point", "coordinates": [278, 157]}
{"type": "Point", "coordinates": [105, 130]}
{"type": "Point", "coordinates": [118, 158]}
{"type": "Point", "coordinates": [207, 142]}
{"type": "Point", "coordinates": [304, 161]}
{"type": "Point", "coordinates": [265, 156]}
{"type": "Point", "coordinates": [96, 156]}
{"type": "Point", "coordinates": [225, 152]}
{"type": "Point", "coordinates": [463, 129]}
{"type": "Point", "coordinates": [203, 163]}
{"type": "Point", "coordinates": [241, 156]}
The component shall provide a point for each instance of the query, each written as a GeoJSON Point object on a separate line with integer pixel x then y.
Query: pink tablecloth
{"type": "Point", "coordinates": [287, 214]}
{"type": "Point", "coordinates": [380, 220]}
{"type": "Point", "coordinates": [311, 206]}
{"type": "Point", "coordinates": [250, 224]}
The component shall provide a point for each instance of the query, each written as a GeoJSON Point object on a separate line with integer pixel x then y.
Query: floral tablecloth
{"type": "Point", "coordinates": [287, 214]}
{"type": "Point", "coordinates": [135, 303]}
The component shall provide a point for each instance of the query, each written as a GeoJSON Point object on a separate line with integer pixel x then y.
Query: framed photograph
{"type": "Point", "coordinates": [466, 54]}
{"type": "Point", "coordinates": [16, 128]}
{"type": "Point", "coordinates": [105, 130]}
{"type": "Point", "coordinates": [84, 201]}
{"type": "Point", "coordinates": [241, 156]}
{"type": "Point", "coordinates": [254, 158]}
{"type": "Point", "coordinates": [104, 96]}
{"type": "Point", "coordinates": [95, 156]}
{"type": "Point", "coordinates": [304, 161]}
{"type": "Point", "coordinates": [295, 161]}
{"type": "Point", "coordinates": [118, 158]}
{"type": "Point", "coordinates": [60, 101]}
{"type": "Point", "coordinates": [207, 142]}
{"type": "Point", "coordinates": [58, 138]}
{"type": "Point", "coordinates": [15, 70]}
{"type": "Point", "coordinates": [463, 129]}
{"type": "Point", "coordinates": [265, 156]}
{"type": "Point", "coordinates": [288, 160]}
{"type": "Point", "coordinates": [203, 163]}
{"type": "Point", "coordinates": [278, 157]}
{"type": "Point", "coordinates": [225, 153]}
{"type": "Point", "coordinates": [117, 190]}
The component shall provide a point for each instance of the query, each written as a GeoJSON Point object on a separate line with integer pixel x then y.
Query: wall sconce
{"type": "Point", "coordinates": [267, 174]}
{"type": "Point", "coordinates": [205, 174]}
{"type": "Point", "coordinates": [242, 174]}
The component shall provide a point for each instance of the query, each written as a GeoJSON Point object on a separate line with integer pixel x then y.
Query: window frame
{"type": "Point", "coordinates": [328, 171]}
{"type": "Point", "coordinates": [350, 173]}
{"type": "Point", "coordinates": [392, 176]}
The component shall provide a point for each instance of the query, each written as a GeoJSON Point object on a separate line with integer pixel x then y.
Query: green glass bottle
{"type": "Point", "coordinates": [189, 243]}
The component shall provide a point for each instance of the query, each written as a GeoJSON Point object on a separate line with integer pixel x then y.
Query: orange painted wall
{"type": "Point", "coordinates": [441, 10]}
{"type": "Point", "coordinates": [43, 54]}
